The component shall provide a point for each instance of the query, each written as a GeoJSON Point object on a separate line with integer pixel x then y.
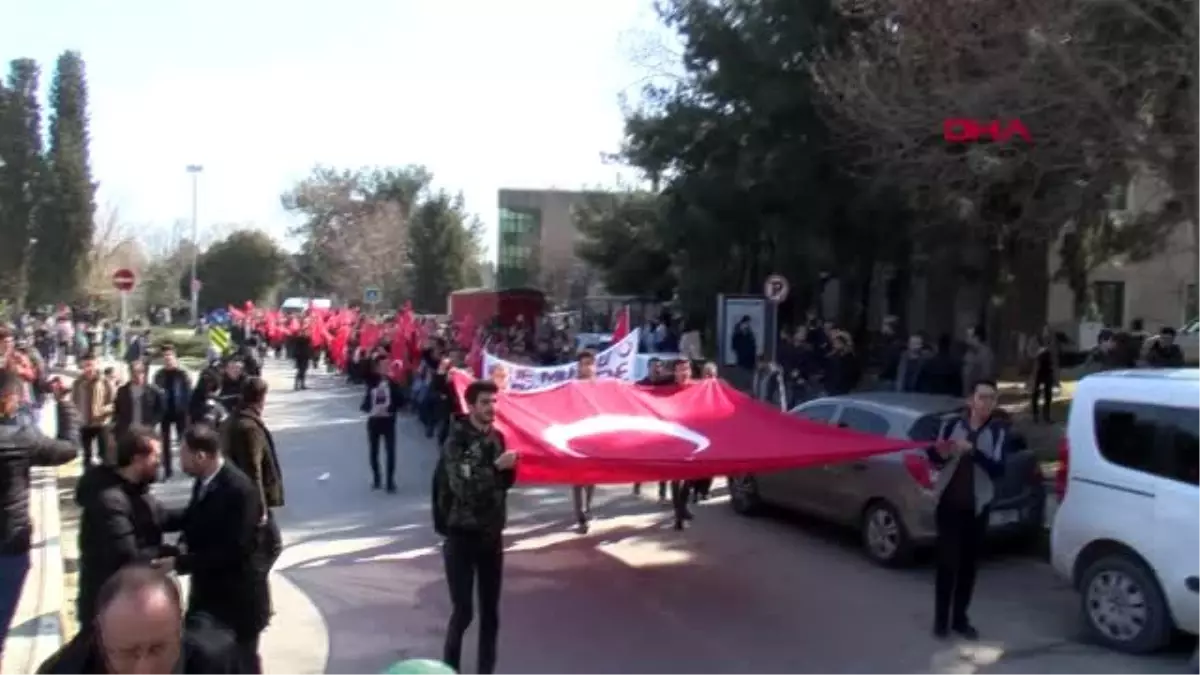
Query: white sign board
{"type": "Point", "coordinates": [776, 288]}
{"type": "Point", "coordinates": [618, 361]}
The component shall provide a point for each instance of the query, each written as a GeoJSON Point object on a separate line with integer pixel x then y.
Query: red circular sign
{"type": "Point", "coordinates": [124, 279]}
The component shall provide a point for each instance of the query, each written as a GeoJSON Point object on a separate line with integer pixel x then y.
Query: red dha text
{"type": "Point", "coordinates": [969, 131]}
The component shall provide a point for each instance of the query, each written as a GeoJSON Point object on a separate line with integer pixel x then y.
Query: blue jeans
{"type": "Point", "coordinates": [13, 570]}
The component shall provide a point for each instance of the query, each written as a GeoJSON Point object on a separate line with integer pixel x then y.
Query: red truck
{"type": "Point", "coordinates": [484, 305]}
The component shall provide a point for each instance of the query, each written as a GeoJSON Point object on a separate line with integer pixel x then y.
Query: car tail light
{"type": "Point", "coordinates": [919, 468]}
{"type": "Point", "coordinates": [1064, 463]}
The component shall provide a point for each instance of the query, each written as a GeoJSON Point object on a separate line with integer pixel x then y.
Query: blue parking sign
{"type": "Point", "coordinates": [371, 295]}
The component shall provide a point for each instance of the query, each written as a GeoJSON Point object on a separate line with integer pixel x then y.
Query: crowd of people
{"type": "Point", "coordinates": [130, 431]}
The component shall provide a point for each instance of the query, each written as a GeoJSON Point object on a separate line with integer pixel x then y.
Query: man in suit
{"type": "Point", "coordinates": [137, 403]}
{"type": "Point", "coordinates": [251, 448]}
{"type": "Point", "coordinates": [220, 531]}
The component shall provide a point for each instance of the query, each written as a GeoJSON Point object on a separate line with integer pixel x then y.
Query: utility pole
{"type": "Point", "coordinates": [194, 170]}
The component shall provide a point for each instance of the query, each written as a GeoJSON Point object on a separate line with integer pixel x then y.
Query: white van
{"type": "Point", "coordinates": [1127, 531]}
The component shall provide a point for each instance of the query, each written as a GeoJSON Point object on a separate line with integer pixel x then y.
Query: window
{"type": "Point", "coordinates": [864, 421]}
{"type": "Point", "coordinates": [1110, 302]}
{"type": "Point", "coordinates": [1159, 440]}
{"type": "Point", "coordinates": [818, 413]}
{"type": "Point", "coordinates": [926, 428]}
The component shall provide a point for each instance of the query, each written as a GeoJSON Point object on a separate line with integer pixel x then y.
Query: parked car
{"type": "Point", "coordinates": [890, 498]}
{"type": "Point", "coordinates": [1127, 530]}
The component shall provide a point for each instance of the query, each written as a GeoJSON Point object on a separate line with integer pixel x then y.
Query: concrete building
{"type": "Point", "coordinates": [1161, 291]}
{"type": "Point", "coordinates": [536, 241]}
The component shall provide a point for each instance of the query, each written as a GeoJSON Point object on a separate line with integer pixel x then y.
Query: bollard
{"type": "Point", "coordinates": [419, 666]}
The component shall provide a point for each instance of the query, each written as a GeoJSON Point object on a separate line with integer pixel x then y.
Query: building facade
{"type": "Point", "coordinates": [536, 240]}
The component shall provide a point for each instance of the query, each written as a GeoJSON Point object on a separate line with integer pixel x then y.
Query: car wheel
{"type": "Point", "coordinates": [884, 537]}
{"type": "Point", "coordinates": [743, 494]}
{"type": "Point", "coordinates": [1123, 607]}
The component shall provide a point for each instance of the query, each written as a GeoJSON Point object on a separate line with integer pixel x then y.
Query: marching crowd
{"type": "Point", "coordinates": [132, 614]}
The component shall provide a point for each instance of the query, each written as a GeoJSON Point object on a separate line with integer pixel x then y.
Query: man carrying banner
{"type": "Point", "coordinates": [581, 495]}
{"type": "Point", "coordinates": [681, 489]}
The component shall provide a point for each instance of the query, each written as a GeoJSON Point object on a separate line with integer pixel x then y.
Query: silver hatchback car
{"type": "Point", "coordinates": [889, 498]}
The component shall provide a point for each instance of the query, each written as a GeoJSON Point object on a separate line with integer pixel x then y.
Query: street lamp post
{"type": "Point", "coordinates": [194, 170]}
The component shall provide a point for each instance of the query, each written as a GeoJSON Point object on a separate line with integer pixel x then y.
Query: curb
{"type": "Point", "coordinates": [38, 624]}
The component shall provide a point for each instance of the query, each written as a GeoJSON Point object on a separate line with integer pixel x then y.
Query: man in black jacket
{"type": "Point", "coordinates": [139, 628]}
{"type": "Point", "coordinates": [471, 487]}
{"type": "Point", "coordinates": [220, 527]}
{"type": "Point", "coordinates": [176, 388]}
{"type": "Point", "coordinates": [969, 455]}
{"type": "Point", "coordinates": [121, 522]}
{"type": "Point", "coordinates": [137, 403]}
{"type": "Point", "coordinates": [23, 446]}
{"type": "Point", "coordinates": [381, 402]}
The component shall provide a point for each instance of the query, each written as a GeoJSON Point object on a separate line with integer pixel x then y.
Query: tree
{"type": "Point", "coordinates": [1097, 85]}
{"type": "Point", "coordinates": [353, 228]}
{"type": "Point", "coordinates": [737, 153]}
{"type": "Point", "coordinates": [245, 266]}
{"type": "Point", "coordinates": [622, 238]}
{"type": "Point", "coordinates": [441, 242]}
{"type": "Point", "coordinates": [22, 173]}
{"type": "Point", "coordinates": [113, 248]}
{"type": "Point", "coordinates": [65, 233]}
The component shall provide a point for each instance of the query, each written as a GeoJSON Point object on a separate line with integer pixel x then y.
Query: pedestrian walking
{"type": "Point", "coordinates": [137, 402]}
{"type": "Point", "coordinates": [582, 495]}
{"type": "Point", "coordinates": [968, 455]}
{"type": "Point", "coordinates": [381, 402]}
{"type": "Point", "coordinates": [93, 396]}
{"type": "Point", "coordinates": [176, 386]}
{"type": "Point", "coordinates": [470, 491]}
{"type": "Point", "coordinates": [250, 446]}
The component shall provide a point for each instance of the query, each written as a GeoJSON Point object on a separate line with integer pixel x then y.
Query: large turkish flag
{"type": "Point", "coordinates": [611, 431]}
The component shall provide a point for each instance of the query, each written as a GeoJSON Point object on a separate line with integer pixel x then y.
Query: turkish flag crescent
{"type": "Point", "coordinates": [610, 431]}
{"type": "Point", "coordinates": [621, 329]}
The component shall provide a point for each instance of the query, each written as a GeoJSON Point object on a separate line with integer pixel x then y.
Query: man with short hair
{"type": "Point", "coordinates": [1162, 352]}
{"type": "Point", "coordinates": [121, 521]}
{"type": "Point", "coordinates": [139, 628]}
{"type": "Point", "coordinates": [221, 529]}
{"type": "Point", "coordinates": [251, 447]}
{"type": "Point", "coordinates": [93, 396]}
{"type": "Point", "coordinates": [137, 402]}
{"type": "Point", "coordinates": [969, 455]}
{"type": "Point", "coordinates": [176, 387]}
{"type": "Point", "coordinates": [23, 446]}
{"type": "Point", "coordinates": [471, 484]}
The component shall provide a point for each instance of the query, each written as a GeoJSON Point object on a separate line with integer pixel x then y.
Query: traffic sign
{"type": "Point", "coordinates": [776, 288]}
{"type": "Point", "coordinates": [371, 295]}
{"type": "Point", "coordinates": [123, 280]}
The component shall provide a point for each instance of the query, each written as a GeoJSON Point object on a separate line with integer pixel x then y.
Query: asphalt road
{"type": "Point", "coordinates": [728, 595]}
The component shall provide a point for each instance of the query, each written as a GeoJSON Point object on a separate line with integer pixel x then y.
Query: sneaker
{"type": "Point", "coordinates": [967, 631]}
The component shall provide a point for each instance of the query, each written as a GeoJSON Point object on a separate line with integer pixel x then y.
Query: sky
{"type": "Point", "coordinates": [487, 94]}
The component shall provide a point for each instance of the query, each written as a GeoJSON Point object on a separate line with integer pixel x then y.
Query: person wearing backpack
{"type": "Point", "coordinates": [969, 455]}
{"type": "Point", "coordinates": [470, 489]}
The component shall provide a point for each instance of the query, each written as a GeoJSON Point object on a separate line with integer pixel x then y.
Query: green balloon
{"type": "Point", "coordinates": [417, 666]}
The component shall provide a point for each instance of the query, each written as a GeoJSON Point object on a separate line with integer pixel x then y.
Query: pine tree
{"type": "Point", "coordinates": [21, 176]}
{"type": "Point", "coordinates": [64, 235]}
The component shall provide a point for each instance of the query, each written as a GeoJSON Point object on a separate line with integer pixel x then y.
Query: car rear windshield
{"type": "Point", "coordinates": [926, 428]}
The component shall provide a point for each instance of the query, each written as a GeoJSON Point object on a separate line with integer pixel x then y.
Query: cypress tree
{"type": "Point", "coordinates": [21, 176]}
{"type": "Point", "coordinates": [64, 236]}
